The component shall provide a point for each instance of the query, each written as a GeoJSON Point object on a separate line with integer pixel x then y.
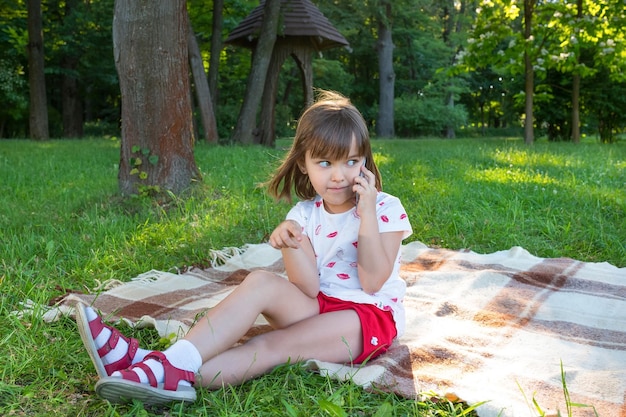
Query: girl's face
{"type": "Point", "coordinates": [333, 179]}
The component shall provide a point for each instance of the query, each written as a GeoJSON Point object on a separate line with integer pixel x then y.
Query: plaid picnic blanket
{"type": "Point", "coordinates": [507, 328]}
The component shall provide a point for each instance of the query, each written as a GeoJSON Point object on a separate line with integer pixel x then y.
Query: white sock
{"type": "Point", "coordinates": [120, 349]}
{"type": "Point", "coordinates": [182, 354]}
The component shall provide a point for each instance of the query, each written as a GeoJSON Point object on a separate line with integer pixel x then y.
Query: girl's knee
{"type": "Point", "coordinates": [270, 346]}
{"type": "Point", "coordinates": [261, 279]}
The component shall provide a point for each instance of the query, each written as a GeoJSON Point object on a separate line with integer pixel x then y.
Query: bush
{"type": "Point", "coordinates": [491, 132]}
{"type": "Point", "coordinates": [422, 116]}
{"type": "Point", "coordinates": [102, 128]}
{"type": "Point", "coordinates": [226, 119]}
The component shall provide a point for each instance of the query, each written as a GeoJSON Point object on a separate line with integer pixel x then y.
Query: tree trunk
{"type": "Point", "coordinates": [450, 133]}
{"type": "Point", "coordinates": [203, 94]}
{"type": "Point", "coordinates": [150, 50]}
{"type": "Point", "coordinates": [482, 119]}
{"type": "Point", "coordinates": [576, 88]}
{"type": "Point", "coordinates": [71, 100]}
{"type": "Point", "coordinates": [38, 112]}
{"type": "Point", "coordinates": [246, 123]}
{"type": "Point", "coordinates": [385, 124]}
{"type": "Point", "coordinates": [216, 49]}
{"type": "Point", "coordinates": [576, 108]}
{"type": "Point", "coordinates": [72, 105]}
{"type": "Point", "coordinates": [452, 24]}
{"type": "Point", "coordinates": [529, 82]}
{"type": "Point", "coordinates": [529, 76]}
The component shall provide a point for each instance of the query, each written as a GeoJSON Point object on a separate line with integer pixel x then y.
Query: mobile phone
{"type": "Point", "coordinates": [360, 175]}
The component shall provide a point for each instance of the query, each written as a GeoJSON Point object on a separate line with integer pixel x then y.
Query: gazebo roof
{"type": "Point", "coordinates": [300, 18]}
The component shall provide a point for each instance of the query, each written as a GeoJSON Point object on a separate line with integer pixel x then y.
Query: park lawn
{"type": "Point", "coordinates": [63, 227]}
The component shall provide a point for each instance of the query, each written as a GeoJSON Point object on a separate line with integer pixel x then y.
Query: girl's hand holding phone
{"type": "Point", "coordinates": [363, 183]}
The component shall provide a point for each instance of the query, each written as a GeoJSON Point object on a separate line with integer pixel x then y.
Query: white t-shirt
{"type": "Point", "coordinates": [334, 238]}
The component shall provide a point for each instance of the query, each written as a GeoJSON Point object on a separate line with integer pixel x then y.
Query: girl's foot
{"type": "Point", "coordinates": [109, 350]}
{"type": "Point", "coordinates": [165, 383]}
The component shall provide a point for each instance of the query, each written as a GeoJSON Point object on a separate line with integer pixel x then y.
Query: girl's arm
{"type": "Point", "coordinates": [376, 252]}
{"type": "Point", "coordinates": [376, 257]}
{"type": "Point", "coordinates": [298, 256]}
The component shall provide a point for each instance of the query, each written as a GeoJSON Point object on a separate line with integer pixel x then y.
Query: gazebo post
{"type": "Point", "coordinates": [305, 31]}
{"type": "Point", "coordinates": [302, 55]}
{"type": "Point", "coordinates": [267, 124]}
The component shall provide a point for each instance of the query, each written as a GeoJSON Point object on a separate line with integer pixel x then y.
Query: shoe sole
{"type": "Point", "coordinates": [120, 391]}
{"type": "Point", "coordinates": [85, 334]}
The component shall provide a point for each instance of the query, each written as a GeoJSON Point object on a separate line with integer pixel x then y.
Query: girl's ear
{"type": "Point", "coordinates": [302, 167]}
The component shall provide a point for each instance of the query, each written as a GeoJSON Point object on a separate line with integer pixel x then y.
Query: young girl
{"type": "Point", "coordinates": [342, 301]}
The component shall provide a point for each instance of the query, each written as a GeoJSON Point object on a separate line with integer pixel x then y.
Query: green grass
{"type": "Point", "coordinates": [64, 228]}
{"type": "Point", "coordinates": [553, 199]}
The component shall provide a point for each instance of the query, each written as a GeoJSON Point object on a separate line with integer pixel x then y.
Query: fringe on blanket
{"type": "Point", "coordinates": [49, 314]}
{"type": "Point", "coordinates": [220, 257]}
{"type": "Point", "coordinates": [31, 309]}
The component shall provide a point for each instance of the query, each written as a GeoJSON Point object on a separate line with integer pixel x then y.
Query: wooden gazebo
{"type": "Point", "coordinates": [304, 31]}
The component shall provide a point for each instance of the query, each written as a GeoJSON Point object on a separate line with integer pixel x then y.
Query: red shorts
{"type": "Point", "coordinates": [378, 326]}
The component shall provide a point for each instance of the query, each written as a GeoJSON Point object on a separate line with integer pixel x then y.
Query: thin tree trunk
{"type": "Point", "coordinates": [38, 112]}
{"type": "Point", "coordinates": [529, 82]}
{"type": "Point", "coordinates": [385, 123]}
{"type": "Point", "coordinates": [576, 89]}
{"type": "Point", "coordinates": [482, 119]}
{"type": "Point", "coordinates": [246, 123]}
{"type": "Point", "coordinates": [576, 108]}
{"type": "Point", "coordinates": [71, 100]}
{"type": "Point", "coordinates": [151, 57]}
{"type": "Point", "coordinates": [203, 94]}
{"type": "Point", "coordinates": [529, 76]}
{"type": "Point", "coordinates": [450, 133]}
{"type": "Point", "coordinates": [216, 49]}
{"type": "Point", "coordinates": [452, 24]}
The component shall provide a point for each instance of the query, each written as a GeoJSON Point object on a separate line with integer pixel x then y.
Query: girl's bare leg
{"type": "Point", "coordinates": [301, 333]}
{"type": "Point", "coordinates": [333, 337]}
{"type": "Point", "coordinates": [262, 292]}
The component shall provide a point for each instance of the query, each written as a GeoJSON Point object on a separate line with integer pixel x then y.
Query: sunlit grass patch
{"type": "Point", "coordinates": [512, 176]}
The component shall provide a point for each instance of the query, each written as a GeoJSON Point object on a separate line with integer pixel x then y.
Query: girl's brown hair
{"type": "Point", "coordinates": [326, 129]}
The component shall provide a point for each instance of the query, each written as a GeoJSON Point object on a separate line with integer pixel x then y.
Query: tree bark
{"type": "Point", "coordinates": [450, 133]}
{"type": "Point", "coordinates": [72, 105]}
{"type": "Point", "coordinates": [385, 124]}
{"type": "Point", "coordinates": [150, 50]}
{"type": "Point", "coordinates": [529, 76]}
{"type": "Point", "coordinates": [449, 26]}
{"type": "Point", "coordinates": [529, 82]}
{"type": "Point", "coordinates": [216, 49]}
{"type": "Point", "coordinates": [38, 112]}
{"type": "Point", "coordinates": [576, 108]}
{"type": "Point", "coordinates": [246, 123]}
{"type": "Point", "coordinates": [203, 93]}
{"type": "Point", "coordinates": [71, 100]}
{"type": "Point", "coordinates": [576, 88]}
{"type": "Point", "coordinates": [447, 15]}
